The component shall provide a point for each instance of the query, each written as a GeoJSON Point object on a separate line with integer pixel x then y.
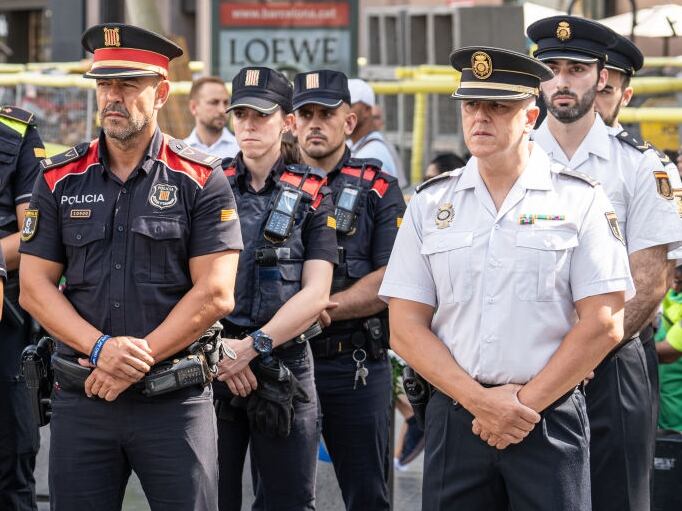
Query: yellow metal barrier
{"type": "Point", "coordinates": [418, 137]}
{"type": "Point", "coordinates": [642, 114]}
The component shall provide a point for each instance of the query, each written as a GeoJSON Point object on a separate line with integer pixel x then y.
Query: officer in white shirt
{"type": "Point", "coordinates": [622, 432]}
{"type": "Point", "coordinates": [505, 289]}
{"type": "Point", "coordinates": [624, 60]}
{"type": "Point", "coordinates": [208, 102]}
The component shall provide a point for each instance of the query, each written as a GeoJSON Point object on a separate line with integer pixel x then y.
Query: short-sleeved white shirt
{"type": "Point", "coordinates": [646, 218]}
{"type": "Point", "coordinates": [226, 146]}
{"type": "Point", "coordinates": [504, 290]}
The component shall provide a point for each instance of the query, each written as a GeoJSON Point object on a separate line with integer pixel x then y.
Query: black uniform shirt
{"type": "Point", "coordinates": [255, 301]}
{"type": "Point", "coordinates": [21, 150]}
{"type": "Point", "coordinates": [126, 246]}
{"type": "Point", "coordinates": [380, 211]}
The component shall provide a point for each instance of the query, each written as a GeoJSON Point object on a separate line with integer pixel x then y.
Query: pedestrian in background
{"type": "Point", "coordinates": [208, 102]}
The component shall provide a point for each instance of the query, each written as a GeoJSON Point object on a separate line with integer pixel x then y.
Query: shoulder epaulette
{"type": "Point", "coordinates": [194, 155]}
{"type": "Point", "coordinates": [314, 184]}
{"type": "Point", "coordinates": [73, 154]}
{"type": "Point", "coordinates": [17, 114]}
{"type": "Point", "coordinates": [301, 168]}
{"type": "Point", "coordinates": [364, 162]}
{"type": "Point", "coordinates": [434, 180]}
{"type": "Point", "coordinates": [642, 147]}
{"type": "Point", "coordinates": [578, 175]}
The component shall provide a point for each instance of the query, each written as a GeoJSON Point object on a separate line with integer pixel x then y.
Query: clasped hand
{"type": "Point", "coordinates": [235, 372]}
{"type": "Point", "coordinates": [500, 419]}
{"type": "Point", "coordinates": [123, 361]}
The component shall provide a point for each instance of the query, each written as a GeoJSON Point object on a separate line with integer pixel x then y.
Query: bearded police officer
{"type": "Point", "coordinates": [534, 249]}
{"type": "Point", "coordinates": [619, 397]}
{"type": "Point", "coordinates": [145, 231]}
{"type": "Point", "coordinates": [20, 153]}
{"type": "Point", "coordinates": [624, 59]}
{"type": "Point", "coordinates": [352, 371]}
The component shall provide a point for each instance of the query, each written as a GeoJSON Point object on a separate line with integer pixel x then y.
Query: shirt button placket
{"type": "Point", "coordinates": [117, 281]}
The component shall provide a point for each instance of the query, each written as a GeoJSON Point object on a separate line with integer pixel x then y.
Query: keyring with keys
{"type": "Point", "coordinates": [361, 372]}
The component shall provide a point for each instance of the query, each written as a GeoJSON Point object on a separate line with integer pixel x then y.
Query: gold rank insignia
{"type": "Point", "coordinates": [28, 230]}
{"type": "Point", "coordinates": [677, 194]}
{"type": "Point", "coordinates": [563, 31]}
{"type": "Point", "coordinates": [615, 226]}
{"type": "Point", "coordinates": [112, 36]}
{"type": "Point", "coordinates": [481, 65]}
{"type": "Point", "coordinates": [663, 185]}
{"type": "Point", "coordinates": [444, 216]}
{"type": "Point", "coordinates": [331, 222]}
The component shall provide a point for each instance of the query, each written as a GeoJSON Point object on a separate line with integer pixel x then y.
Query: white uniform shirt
{"type": "Point", "coordinates": [374, 145]}
{"type": "Point", "coordinates": [226, 146]}
{"type": "Point", "coordinates": [504, 291]}
{"type": "Point", "coordinates": [627, 175]}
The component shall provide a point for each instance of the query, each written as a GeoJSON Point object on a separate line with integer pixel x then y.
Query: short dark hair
{"type": "Point", "coordinates": [200, 82]}
{"type": "Point", "coordinates": [445, 162]}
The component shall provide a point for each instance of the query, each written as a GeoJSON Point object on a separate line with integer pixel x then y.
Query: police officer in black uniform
{"type": "Point", "coordinates": [144, 228]}
{"type": "Point", "coordinates": [283, 285]}
{"type": "Point", "coordinates": [352, 371]}
{"type": "Point", "coordinates": [21, 150]}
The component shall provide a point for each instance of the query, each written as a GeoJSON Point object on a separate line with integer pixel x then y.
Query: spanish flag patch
{"type": "Point", "coordinates": [331, 222]}
{"type": "Point", "coordinates": [398, 221]}
{"type": "Point", "coordinates": [228, 214]}
{"type": "Point", "coordinates": [39, 152]}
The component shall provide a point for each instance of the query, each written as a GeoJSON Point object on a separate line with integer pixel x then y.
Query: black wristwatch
{"type": "Point", "coordinates": [262, 343]}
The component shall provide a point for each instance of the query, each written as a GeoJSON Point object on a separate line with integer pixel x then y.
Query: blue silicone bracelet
{"type": "Point", "coordinates": [97, 349]}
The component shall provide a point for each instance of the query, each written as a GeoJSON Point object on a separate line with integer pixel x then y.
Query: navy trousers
{"type": "Point", "coordinates": [283, 469]}
{"type": "Point", "coordinates": [355, 427]}
{"type": "Point", "coordinates": [170, 442]}
{"type": "Point", "coordinates": [549, 469]}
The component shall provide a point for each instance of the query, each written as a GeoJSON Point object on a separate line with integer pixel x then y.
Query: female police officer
{"type": "Point", "coordinates": [283, 283]}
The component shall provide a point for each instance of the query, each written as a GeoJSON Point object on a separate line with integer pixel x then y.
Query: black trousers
{"type": "Point", "coordinates": [169, 441]}
{"type": "Point", "coordinates": [283, 469]}
{"type": "Point", "coordinates": [549, 470]}
{"type": "Point", "coordinates": [622, 431]}
{"type": "Point", "coordinates": [19, 438]}
{"type": "Point", "coordinates": [355, 425]}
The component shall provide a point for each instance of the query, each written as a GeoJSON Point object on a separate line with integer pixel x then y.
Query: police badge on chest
{"type": "Point", "coordinates": [163, 195]}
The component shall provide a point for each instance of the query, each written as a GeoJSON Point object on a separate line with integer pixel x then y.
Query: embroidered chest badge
{"type": "Point", "coordinates": [444, 215]}
{"type": "Point", "coordinates": [663, 186]}
{"type": "Point", "coordinates": [163, 195]}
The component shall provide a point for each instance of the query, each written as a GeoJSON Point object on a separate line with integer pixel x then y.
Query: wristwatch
{"type": "Point", "coordinates": [262, 343]}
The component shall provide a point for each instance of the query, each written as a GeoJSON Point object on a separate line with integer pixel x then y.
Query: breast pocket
{"type": "Point", "coordinates": [276, 285]}
{"type": "Point", "coordinates": [542, 263]}
{"type": "Point", "coordinates": [449, 255]}
{"type": "Point", "coordinates": [84, 252]}
{"type": "Point", "coordinates": [160, 250]}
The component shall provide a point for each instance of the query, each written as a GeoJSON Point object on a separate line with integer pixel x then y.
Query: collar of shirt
{"type": "Point", "coordinates": [342, 162]}
{"type": "Point", "coordinates": [225, 138]}
{"type": "Point", "coordinates": [372, 135]}
{"type": "Point", "coordinates": [147, 161]}
{"type": "Point", "coordinates": [244, 175]}
{"type": "Point", "coordinates": [595, 142]}
{"type": "Point", "coordinates": [536, 176]}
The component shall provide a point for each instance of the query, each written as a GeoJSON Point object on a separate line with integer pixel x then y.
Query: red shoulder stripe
{"type": "Point", "coordinates": [311, 186]}
{"type": "Point", "coordinates": [80, 166]}
{"type": "Point", "coordinates": [380, 186]}
{"type": "Point", "coordinates": [197, 173]}
{"type": "Point", "coordinates": [230, 171]}
{"type": "Point", "coordinates": [355, 172]}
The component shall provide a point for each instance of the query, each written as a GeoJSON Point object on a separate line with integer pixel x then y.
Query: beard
{"type": "Point", "coordinates": [318, 151]}
{"type": "Point", "coordinates": [609, 118]}
{"type": "Point", "coordinates": [215, 125]}
{"type": "Point", "coordinates": [569, 114]}
{"type": "Point", "coordinates": [127, 132]}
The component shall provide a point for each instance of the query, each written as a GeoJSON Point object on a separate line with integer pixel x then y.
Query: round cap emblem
{"type": "Point", "coordinates": [481, 65]}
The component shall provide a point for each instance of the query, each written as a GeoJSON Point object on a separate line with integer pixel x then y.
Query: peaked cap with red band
{"type": "Point", "coordinates": [126, 51]}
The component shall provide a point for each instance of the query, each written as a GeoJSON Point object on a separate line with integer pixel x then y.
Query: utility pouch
{"type": "Point", "coordinates": [37, 373]}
